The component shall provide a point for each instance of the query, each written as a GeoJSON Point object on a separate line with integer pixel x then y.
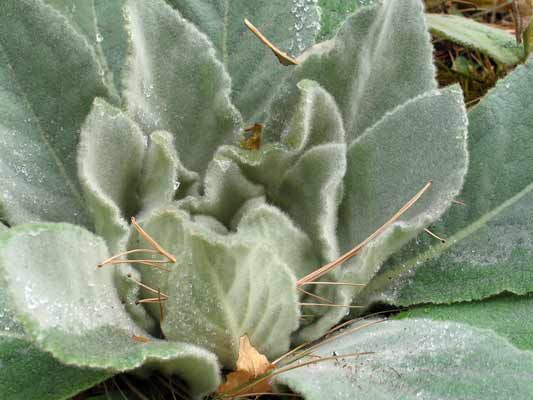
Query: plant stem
{"type": "Point", "coordinates": [526, 38]}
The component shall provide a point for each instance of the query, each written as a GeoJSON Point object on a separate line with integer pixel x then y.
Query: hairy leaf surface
{"type": "Point", "coordinates": [84, 323]}
{"type": "Point", "coordinates": [187, 93]}
{"type": "Point", "coordinates": [509, 315]}
{"type": "Point", "coordinates": [391, 162]}
{"type": "Point", "coordinates": [22, 362]}
{"type": "Point", "coordinates": [82, 15]}
{"type": "Point", "coordinates": [46, 90]}
{"type": "Point", "coordinates": [255, 72]}
{"type": "Point", "coordinates": [160, 172]}
{"type": "Point", "coordinates": [303, 173]}
{"type": "Point", "coordinates": [490, 239]}
{"type": "Point", "coordinates": [380, 58]}
{"type": "Point", "coordinates": [225, 285]}
{"type": "Point", "coordinates": [30, 373]}
{"type": "Point", "coordinates": [414, 359]}
{"type": "Point", "coordinates": [110, 158]}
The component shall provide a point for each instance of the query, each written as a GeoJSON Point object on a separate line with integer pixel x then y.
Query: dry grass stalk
{"type": "Point", "coordinates": [332, 265]}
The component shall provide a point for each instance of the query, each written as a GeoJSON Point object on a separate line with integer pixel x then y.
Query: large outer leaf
{"type": "Point", "coordinates": [48, 79]}
{"type": "Point", "coordinates": [386, 167]}
{"type": "Point", "coordinates": [397, 157]}
{"type": "Point", "coordinates": [7, 313]}
{"type": "Point", "coordinates": [334, 12]}
{"type": "Point", "coordinates": [102, 23]}
{"type": "Point", "coordinates": [110, 159]}
{"type": "Point", "coordinates": [380, 58]}
{"type": "Point", "coordinates": [225, 285]}
{"type": "Point", "coordinates": [255, 71]}
{"type": "Point", "coordinates": [82, 16]}
{"type": "Point", "coordinates": [497, 43]}
{"type": "Point", "coordinates": [490, 239]}
{"type": "Point", "coordinates": [30, 373]}
{"type": "Point", "coordinates": [110, 24]}
{"type": "Point", "coordinates": [71, 308]}
{"type": "Point", "coordinates": [508, 315]}
{"type": "Point", "coordinates": [416, 359]}
{"type": "Point", "coordinates": [187, 92]}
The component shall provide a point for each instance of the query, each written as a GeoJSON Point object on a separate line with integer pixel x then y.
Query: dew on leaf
{"type": "Point", "coordinates": [305, 20]}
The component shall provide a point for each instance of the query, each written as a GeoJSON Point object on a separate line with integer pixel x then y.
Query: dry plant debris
{"type": "Point", "coordinates": [250, 365]}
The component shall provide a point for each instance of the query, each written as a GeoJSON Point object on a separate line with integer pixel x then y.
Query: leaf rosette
{"type": "Point", "coordinates": [135, 108]}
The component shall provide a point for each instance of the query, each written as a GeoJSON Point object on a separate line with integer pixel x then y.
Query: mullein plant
{"type": "Point", "coordinates": [170, 185]}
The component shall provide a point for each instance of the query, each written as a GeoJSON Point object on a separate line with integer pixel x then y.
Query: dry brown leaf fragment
{"type": "Point", "coordinates": [140, 339]}
{"type": "Point", "coordinates": [250, 365]}
{"type": "Point", "coordinates": [253, 140]}
{"type": "Point", "coordinates": [522, 14]}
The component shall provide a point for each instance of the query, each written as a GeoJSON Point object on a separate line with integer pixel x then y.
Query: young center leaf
{"type": "Point", "coordinates": [226, 285]}
{"type": "Point", "coordinates": [302, 174]}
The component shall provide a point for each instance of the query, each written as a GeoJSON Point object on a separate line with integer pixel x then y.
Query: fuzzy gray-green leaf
{"type": "Point", "coordinates": [102, 23]}
{"type": "Point", "coordinates": [222, 292]}
{"type": "Point", "coordinates": [509, 315]}
{"type": "Point", "coordinates": [391, 162]}
{"type": "Point", "coordinates": [489, 237]}
{"type": "Point", "coordinates": [111, 25]}
{"type": "Point", "coordinates": [396, 157]}
{"type": "Point", "coordinates": [380, 58]}
{"type": "Point", "coordinates": [82, 16]}
{"type": "Point", "coordinates": [228, 284]}
{"type": "Point", "coordinates": [255, 71]}
{"type": "Point", "coordinates": [187, 92]}
{"type": "Point", "coordinates": [30, 373]}
{"type": "Point", "coordinates": [47, 88]}
{"type": "Point", "coordinates": [414, 359]}
{"type": "Point", "coordinates": [84, 323]}
{"type": "Point", "coordinates": [226, 189]}
{"type": "Point", "coordinates": [303, 174]}
{"type": "Point", "coordinates": [110, 158]}
{"type": "Point", "coordinates": [310, 193]}
{"type": "Point", "coordinates": [160, 172]}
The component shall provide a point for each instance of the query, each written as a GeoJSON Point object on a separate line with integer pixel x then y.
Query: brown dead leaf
{"type": "Point", "coordinates": [140, 339]}
{"type": "Point", "coordinates": [253, 141]}
{"type": "Point", "coordinates": [250, 365]}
